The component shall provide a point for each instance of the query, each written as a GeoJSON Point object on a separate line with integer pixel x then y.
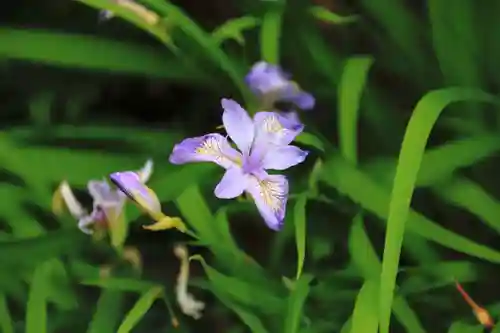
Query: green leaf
{"type": "Point", "coordinates": [107, 313]}
{"type": "Point", "coordinates": [234, 28]}
{"type": "Point", "coordinates": [368, 263]}
{"type": "Point", "coordinates": [296, 302]}
{"type": "Point", "coordinates": [6, 323]}
{"type": "Point", "coordinates": [365, 315]}
{"type": "Point", "coordinates": [341, 175]}
{"type": "Point", "coordinates": [157, 29]}
{"type": "Point", "coordinates": [473, 198]}
{"type": "Point", "coordinates": [300, 231]}
{"type": "Point", "coordinates": [139, 310]}
{"type": "Point", "coordinates": [418, 130]}
{"type": "Point", "coordinates": [90, 53]}
{"type": "Point", "coordinates": [247, 317]}
{"type": "Point", "coordinates": [38, 249]}
{"type": "Point", "coordinates": [309, 139]}
{"type": "Point", "coordinates": [324, 15]}
{"type": "Point", "coordinates": [439, 163]}
{"type": "Point", "coordinates": [351, 86]}
{"type": "Point", "coordinates": [460, 327]}
{"type": "Point", "coordinates": [205, 40]}
{"type": "Point", "coordinates": [36, 309]}
{"type": "Point", "coordinates": [242, 292]}
{"type": "Point", "coordinates": [270, 34]}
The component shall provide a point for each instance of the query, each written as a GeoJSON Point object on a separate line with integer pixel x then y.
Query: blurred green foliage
{"type": "Point", "coordinates": [398, 199]}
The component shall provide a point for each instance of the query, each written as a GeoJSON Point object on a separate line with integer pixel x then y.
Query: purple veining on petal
{"type": "Point", "coordinates": [268, 136]}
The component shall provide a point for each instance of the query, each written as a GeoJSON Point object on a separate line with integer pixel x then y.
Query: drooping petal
{"type": "Point", "coordinates": [85, 224]}
{"type": "Point", "coordinates": [101, 192]}
{"type": "Point", "coordinates": [146, 171]}
{"type": "Point", "coordinates": [130, 184]}
{"type": "Point", "coordinates": [208, 148]}
{"type": "Point", "coordinates": [238, 124]}
{"type": "Point", "coordinates": [283, 157]}
{"type": "Point", "coordinates": [265, 78]}
{"type": "Point", "coordinates": [303, 100]}
{"type": "Point", "coordinates": [232, 184]}
{"type": "Point", "coordinates": [274, 128]}
{"type": "Point", "coordinates": [74, 206]}
{"type": "Point", "coordinates": [270, 196]}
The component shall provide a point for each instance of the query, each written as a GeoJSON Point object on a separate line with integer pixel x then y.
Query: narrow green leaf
{"type": "Point", "coordinates": [234, 28]}
{"type": "Point", "coordinates": [296, 302]}
{"type": "Point", "coordinates": [418, 130]}
{"type": "Point", "coordinates": [460, 327]}
{"type": "Point", "coordinates": [37, 249]}
{"type": "Point", "coordinates": [139, 310]}
{"type": "Point", "coordinates": [309, 139]}
{"type": "Point", "coordinates": [90, 53]}
{"type": "Point", "coordinates": [247, 317]}
{"type": "Point", "coordinates": [300, 231]}
{"type": "Point", "coordinates": [350, 89]}
{"type": "Point", "coordinates": [365, 315]}
{"type": "Point", "coordinates": [242, 292]}
{"type": "Point", "coordinates": [472, 197]}
{"type": "Point", "coordinates": [36, 309]}
{"type": "Point", "coordinates": [6, 323]}
{"type": "Point", "coordinates": [324, 15]}
{"type": "Point", "coordinates": [368, 263]}
{"type": "Point", "coordinates": [270, 34]}
{"type": "Point", "coordinates": [341, 175]}
{"type": "Point", "coordinates": [108, 312]}
{"type": "Point", "coordinates": [441, 162]}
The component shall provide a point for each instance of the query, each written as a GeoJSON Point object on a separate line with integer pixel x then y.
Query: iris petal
{"type": "Point", "coordinates": [232, 184]}
{"type": "Point", "coordinates": [102, 192]}
{"type": "Point", "coordinates": [208, 148]}
{"type": "Point", "coordinates": [238, 124]}
{"type": "Point", "coordinates": [270, 196]}
{"type": "Point", "coordinates": [283, 157]}
{"type": "Point", "coordinates": [276, 129]}
{"type": "Point", "coordinates": [146, 171]}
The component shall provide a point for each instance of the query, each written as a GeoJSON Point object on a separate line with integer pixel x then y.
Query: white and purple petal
{"type": "Point", "coordinates": [283, 157]}
{"type": "Point", "coordinates": [270, 196]}
{"type": "Point", "coordinates": [101, 192]}
{"type": "Point", "coordinates": [238, 124]}
{"type": "Point", "coordinates": [208, 148]}
{"type": "Point", "coordinates": [232, 184]}
{"type": "Point", "coordinates": [275, 128]}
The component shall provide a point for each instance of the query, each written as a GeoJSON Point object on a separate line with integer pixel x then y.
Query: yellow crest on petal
{"type": "Point", "coordinates": [165, 223]}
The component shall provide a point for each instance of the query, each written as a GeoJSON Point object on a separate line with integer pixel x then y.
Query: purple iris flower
{"type": "Point", "coordinates": [263, 144]}
{"type": "Point", "coordinates": [271, 84]}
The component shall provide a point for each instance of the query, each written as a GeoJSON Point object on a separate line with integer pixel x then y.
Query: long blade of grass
{"type": "Point", "coordinates": [300, 232]}
{"type": "Point", "coordinates": [418, 130]}
{"type": "Point", "coordinates": [341, 175]}
{"type": "Point", "coordinates": [296, 302]}
{"type": "Point", "coordinates": [364, 317]}
{"type": "Point", "coordinates": [6, 323]}
{"type": "Point", "coordinates": [139, 310]}
{"type": "Point", "coordinates": [89, 53]}
{"type": "Point", "coordinates": [36, 309]}
{"type": "Point", "coordinates": [108, 312]}
{"type": "Point", "coordinates": [351, 86]}
{"type": "Point", "coordinates": [270, 33]}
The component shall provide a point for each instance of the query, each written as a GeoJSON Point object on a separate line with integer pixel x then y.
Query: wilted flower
{"type": "Point", "coordinates": [131, 185]}
{"type": "Point", "coordinates": [188, 304]}
{"type": "Point", "coordinates": [264, 145]}
{"type": "Point", "coordinates": [108, 202]}
{"type": "Point", "coordinates": [271, 84]}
